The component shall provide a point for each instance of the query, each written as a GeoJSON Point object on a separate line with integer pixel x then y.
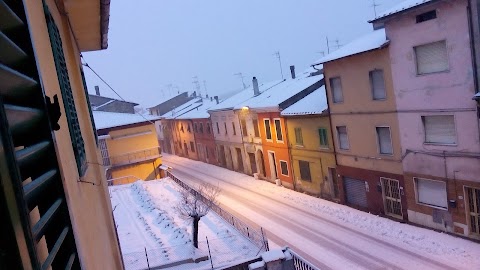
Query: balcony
{"type": "Point", "coordinates": [132, 157]}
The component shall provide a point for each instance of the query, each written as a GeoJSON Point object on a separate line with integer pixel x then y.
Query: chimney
{"type": "Point", "coordinates": [216, 98]}
{"type": "Point", "coordinates": [97, 90]}
{"type": "Point", "coordinates": [211, 98]}
{"type": "Point", "coordinates": [256, 91]}
{"type": "Point", "coordinates": [292, 71]}
{"type": "Point", "coordinates": [194, 94]}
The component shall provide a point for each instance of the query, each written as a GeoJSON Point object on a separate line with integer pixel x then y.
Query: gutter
{"type": "Point", "coordinates": [104, 22]}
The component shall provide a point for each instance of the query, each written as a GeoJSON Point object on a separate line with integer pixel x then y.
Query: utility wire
{"type": "Point", "coordinates": [107, 84]}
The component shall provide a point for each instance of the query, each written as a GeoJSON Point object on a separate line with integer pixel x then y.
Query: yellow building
{"type": "Point", "coordinates": [54, 205]}
{"type": "Point", "coordinates": [129, 146]}
{"type": "Point", "coordinates": [310, 145]}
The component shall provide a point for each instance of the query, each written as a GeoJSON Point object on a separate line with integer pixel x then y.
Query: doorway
{"type": "Point", "coordinates": [391, 197]}
{"type": "Point", "coordinates": [253, 163]}
{"type": "Point", "coordinates": [273, 164]}
{"type": "Point", "coordinates": [239, 159]}
{"type": "Point", "coordinates": [473, 197]}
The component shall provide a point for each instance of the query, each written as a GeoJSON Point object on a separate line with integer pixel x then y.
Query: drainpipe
{"type": "Point", "coordinates": [292, 172]}
{"type": "Point", "coordinates": [472, 46]}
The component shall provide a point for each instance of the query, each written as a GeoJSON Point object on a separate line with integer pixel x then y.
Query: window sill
{"type": "Point", "coordinates": [299, 146]}
{"type": "Point", "coordinates": [431, 73]}
{"type": "Point", "coordinates": [433, 206]}
{"type": "Point", "coordinates": [441, 144]}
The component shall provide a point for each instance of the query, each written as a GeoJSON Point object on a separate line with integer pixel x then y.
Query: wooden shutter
{"type": "Point", "coordinates": [268, 131]}
{"type": "Point", "coordinates": [298, 136]}
{"type": "Point", "coordinates": [67, 95]}
{"type": "Point", "coordinates": [322, 133]}
{"type": "Point", "coordinates": [337, 93]}
{"type": "Point", "coordinates": [377, 82]}
{"type": "Point", "coordinates": [384, 140]}
{"type": "Point", "coordinates": [305, 174]}
{"type": "Point", "coordinates": [343, 138]}
{"type": "Point", "coordinates": [255, 128]}
{"type": "Point", "coordinates": [284, 167]}
{"type": "Point", "coordinates": [432, 57]}
{"type": "Point", "coordinates": [89, 105]}
{"type": "Point", "coordinates": [278, 130]}
{"type": "Point", "coordinates": [244, 127]}
{"type": "Point", "coordinates": [439, 129]}
{"type": "Point", "coordinates": [431, 192]}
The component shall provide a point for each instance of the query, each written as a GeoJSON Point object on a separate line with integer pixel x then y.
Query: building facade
{"type": "Point", "coordinates": [311, 146]}
{"type": "Point", "coordinates": [129, 147]}
{"type": "Point", "coordinates": [363, 117]}
{"type": "Point", "coordinates": [49, 177]}
{"type": "Point", "coordinates": [434, 81]}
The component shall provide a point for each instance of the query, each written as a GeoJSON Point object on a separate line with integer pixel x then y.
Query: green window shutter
{"type": "Point", "coordinates": [298, 136]}
{"type": "Point", "coordinates": [67, 95]}
{"type": "Point", "coordinates": [322, 133]}
{"type": "Point", "coordinates": [89, 105]}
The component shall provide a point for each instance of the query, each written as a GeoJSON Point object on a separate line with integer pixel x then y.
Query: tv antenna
{"type": "Point", "coordinates": [375, 5]}
{"type": "Point", "coordinates": [277, 54]}
{"type": "Point", "coordinates": [205, 87]}
{"type": "Point", "coordinates": [196, 84]}
{"type": "Point", "coordinates": [240, 74]}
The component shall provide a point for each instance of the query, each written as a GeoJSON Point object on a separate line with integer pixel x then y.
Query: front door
{"type": "Point", "coordinates": [473, 196]}
{"type": "Point", "coordinates": [239, 159]}
{"type": "Point", "coordinates": [273, 165]}
{"type": "Point", "coordinates": [391, 197]}
{"type": "Point", "coordinates": [253, 163]}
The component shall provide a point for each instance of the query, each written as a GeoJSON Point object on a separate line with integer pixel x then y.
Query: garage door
{"type": "Point", "coordinates": [355, 191]}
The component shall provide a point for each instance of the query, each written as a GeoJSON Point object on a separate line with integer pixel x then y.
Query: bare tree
{"type": "Point", "coordinates": [197, 203]}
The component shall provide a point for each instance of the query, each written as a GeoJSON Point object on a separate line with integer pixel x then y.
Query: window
{"type": "Point", "coordinates": [226, 130]}
{"type": "Point", "coordinates": [431, 192]}
{"type": "Point", "coordinates": [429, 15]}
{"type": "Point", "coordinates": [195, 127]}
{"type": "Point", "coordinates": [305, 170]}
{"type": "Point", "coordinates": [268, 131]}
{"type": "Point", "coordinates": [322, 133]}
{"type": "Point", "coordinates": [255, 128]}
{"type": "Point", "coordinates": [67, 95]}
{"type": "Point", "coordinates": [377, 83]}
{"type": "Point", "coordinates": [284, 167]}
{"type": "Point", "coordinates": [218, 129]}
{"type": "Point", "coordinates": [439, 129]}
{"type": "Point", "coordinates": [192, 147]}
{"type": "Point", "coordinates": [200, 127]}
{"type": "Point", "coordinates": [208, 128]}
{"type": "Point", "coordinates": [298, 136]}
{"type": "Point", "coordinates": [431, 57]}
{"type": "Point", "coordinates": [384, 140]}
{"type": "Point", "coordinates": [336, 86]}
{"type": "Point", "coordinates": [278, 129]}
{"type": "Point", "coordinates": [343, 138]}
{"type": "Point", "coordinates": [234, 129]}
{"type": "Point", "coordinates": [181, 128]}
{"type": "Point", "coordinates": [243, 123]}
{"type": "Point", "coordinates": [188, 128]}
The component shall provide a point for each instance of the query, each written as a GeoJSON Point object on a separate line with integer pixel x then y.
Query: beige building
{"type": "Point", "coordinates": [54, 204]}
{"type": "Point", "coordinates": [363, 117]}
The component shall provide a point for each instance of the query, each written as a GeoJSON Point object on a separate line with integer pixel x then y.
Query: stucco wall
{"type": "Point", "coordinates": [89, 205]}
{"type": "Point", "coordinates": [444, 93]}
{"type": "Point", "coordinates": [187, 137]}
{"type": "Point", "coordinates": [227, 117]}
{"type": "Point", "coordinates": [133, 139]}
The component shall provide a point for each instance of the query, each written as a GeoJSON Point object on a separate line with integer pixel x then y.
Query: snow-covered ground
{"type": "Point", "coordinates": [334, 236]}
{"type": "Point", "coordinates": [146, 219]}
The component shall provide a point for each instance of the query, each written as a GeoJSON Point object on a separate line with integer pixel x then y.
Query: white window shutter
{"type": "Point", "coordinates": [432, 57]}
{"type": "Point", "coordinates": [343, 138]}
{"type": "Point", "coordinates": [378, 84]}
{"type": "Point", "coordinates": [336, 85]}
{"type": "Point", "coordinates": [384, 140]}
{"type": "Point", "coordinates": [432, 192]}
{"type": "Point", "coordinates": [439, 129]}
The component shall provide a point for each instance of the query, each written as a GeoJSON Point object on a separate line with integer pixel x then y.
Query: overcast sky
{"type": "Point", "coordinates": [156, 43]}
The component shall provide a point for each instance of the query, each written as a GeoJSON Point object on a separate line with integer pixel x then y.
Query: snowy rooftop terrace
{"type": "Point", "coordinates": [314, 103]}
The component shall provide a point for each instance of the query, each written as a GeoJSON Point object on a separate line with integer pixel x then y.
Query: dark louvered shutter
{"type": "Point", "coordinates": [30, 182]}
{"type": "Point", "coordinates": [89, 105]}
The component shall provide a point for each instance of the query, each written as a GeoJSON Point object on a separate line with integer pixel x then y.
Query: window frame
{"type": "Point", "coordinates": [426, 16]}
{"type": "Point", "coordinates": [218, 128]}
{"type": "Point", "coordinates": [225, 126]}
{"type": "Point", "coordinates": [281, 168]}
{"type": "Point", "coordinates": [234, 129]}
{"type": "Point", "coordinates": [370, 74]}
{"type": "Point", "coordinates": [309, 171]}
{"type": "Point", "coordinates": [256, 128]}
{"type": "Point", "coordinates": [269, 128]}
{"type": "Point", "coordinates": [192, 147]}
{"type": "Point", "coordinates": [298, 129]}
{"type": "Point", "coordinates": [338, 138]}
{"type": "Point", "coordinates": [276, 130]}
{"type": "Point", "coordinates": [323, 146]}
{"type": "Point", "coordinates": [439, 143]}
{"type": "Point", "coordinates": [416, 58]}
{"type": "Point", "coordinates": [378, 141]}
{"type": "Point", "coordinates": [417, 201]}
{"type": "Point", "coordinates": [333, 89]}
{"type": "Point", "coordinates": [243, 125]}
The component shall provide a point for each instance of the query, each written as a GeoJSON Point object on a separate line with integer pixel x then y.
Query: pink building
{"type": "Point", "coordinates": [433, 80]}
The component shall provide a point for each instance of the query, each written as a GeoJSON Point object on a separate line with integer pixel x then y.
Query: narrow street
{"type": "Point", "coordinates": [326, 242]}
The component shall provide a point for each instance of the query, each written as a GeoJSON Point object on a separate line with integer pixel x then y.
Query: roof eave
{"type": "Point", "coordinates": [399, 13]}
{"type": "Point", "coordinates": [384, 45]}
{"type": "Point", "coordinates": [104, 22]}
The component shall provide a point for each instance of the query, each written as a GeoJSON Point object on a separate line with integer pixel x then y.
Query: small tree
{"type": "Point", "coordinates": [195, 204]}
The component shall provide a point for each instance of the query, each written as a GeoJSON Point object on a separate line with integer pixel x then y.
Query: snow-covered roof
{"type": "Point", "coordinates": [185, 107]}
{"type": "Point", "coordinates": [110, 119]}
{"type": "Point", "coordinates": [476, 96]}
{"type": "Point", "coordinates": [279, 93]}
{"type": "Point", "coordinates": [371, 41]}
{"type": "Point", "coordinates": [408, 4]}
{"type": "Point", "coordinates": [159, 99]}
{"type": "Point", "coordinates": [242, 96]}
{"type": "Point", "coordinates": [200, 111]}
{"type": "Point", "coordinates": [313, 103]}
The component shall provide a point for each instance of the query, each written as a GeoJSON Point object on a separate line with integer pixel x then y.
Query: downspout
{"type": "Point", "coordinates": [292, 172]}
{"type": "Point", "coordinates": [472, 46]}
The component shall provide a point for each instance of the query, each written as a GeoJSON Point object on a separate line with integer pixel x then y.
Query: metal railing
{"type": "Point", "coordinates": [300, 263]}
{"type": "Point", "coordinates": [122, 180]}
{"type": "Point", "coordinates": [256, 236]}
{"type": "Point", "coordinates": [133, 157]}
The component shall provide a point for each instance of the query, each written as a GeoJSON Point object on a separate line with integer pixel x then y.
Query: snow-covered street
{"type": "Point", "coordinates": [329, 235]}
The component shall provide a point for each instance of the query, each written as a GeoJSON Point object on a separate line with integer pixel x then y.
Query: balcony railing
{"type": "Point", "coordinates": [123, 180]}
{"type": "Point", "coordinates": [132, 157]}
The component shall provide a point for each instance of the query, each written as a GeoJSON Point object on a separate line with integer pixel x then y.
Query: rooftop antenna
{"type": "Point", "coordinates": [375, 5]}
{"type": "Point", "coordinates": [240, 74]}
{"type": "Point", "coordinates": [277, 54]}
{"type": "Point", "coordinates": [337, 42]}
{"type": "Point", "coordinates": [196, 84]}
{"type": "Point", "coordinates": [178, 89]}
{"type": "Point", "coordinates": [205, 87]}
{"type": "Point", "coordinates": [328, 45]}
{"type": "Point", "coordinates": [169, 87]}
